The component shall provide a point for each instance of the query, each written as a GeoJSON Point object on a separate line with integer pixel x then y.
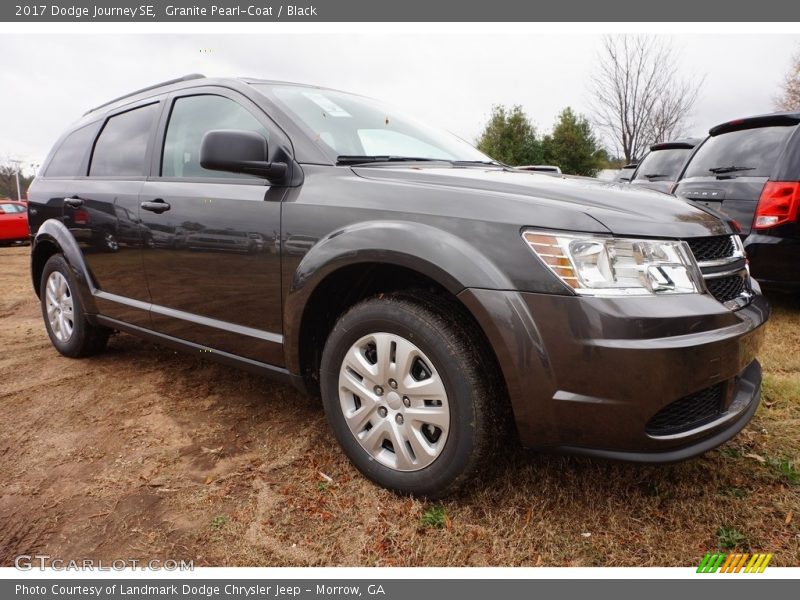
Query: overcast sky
{"type": "Point", "coordinates": [451, 80]}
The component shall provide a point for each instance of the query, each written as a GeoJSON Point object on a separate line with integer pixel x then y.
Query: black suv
{"type": "Point", "coordinates": [749, 169]}
{"type": "Point", "coordinates": [660, 168]}
{"type": "Point", "coordinates": [425, 291]}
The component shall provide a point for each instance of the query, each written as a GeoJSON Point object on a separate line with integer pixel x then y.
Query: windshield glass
{"type": "Point", "coordinates": [746, 152]}
{"type": "Point", "coordinates": [662, 164]}
{"type": "Point", "coordinates": [353, 125]}
{"type": "Point", "coordinates": [11, 208]}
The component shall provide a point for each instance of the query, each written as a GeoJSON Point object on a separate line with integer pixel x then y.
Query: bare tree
{"type": "Point", "coordinates": [639, 97]}
{"type": "Point", "coordinates": [790, 90]}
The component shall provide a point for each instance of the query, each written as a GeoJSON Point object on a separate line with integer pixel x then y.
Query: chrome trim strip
{"type": "Point", "coordinates": [718, 262]}
{"type": "Point", "coordinates": [736, 271]}
{"type": "Point", "coordinates": [267, 336]}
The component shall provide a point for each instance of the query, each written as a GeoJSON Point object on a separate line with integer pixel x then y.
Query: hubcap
{"type": "Point", "coordinates": [405, 428]}
{"type": "Point", "coordinates": [60, 309]}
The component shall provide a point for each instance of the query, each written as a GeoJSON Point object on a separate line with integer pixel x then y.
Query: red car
{"type": "Point", "coordinates": [13, 222]}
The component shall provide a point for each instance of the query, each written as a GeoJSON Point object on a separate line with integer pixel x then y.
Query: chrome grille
{"type": "Point", "coordinates": [722, 262]}
{"type": "Point", "coordinates": [712, 248]}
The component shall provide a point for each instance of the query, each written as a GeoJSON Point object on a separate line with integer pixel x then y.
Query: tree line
{"type": "Point", "coordinates": [638, 98]}
{"type": "Point", "coordinates": [511, 138]}
{"type": "Point", "coordinates": [8, 182]}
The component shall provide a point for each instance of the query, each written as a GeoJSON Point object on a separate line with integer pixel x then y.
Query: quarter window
{"type": "Point", "coordinates": [192, 117]}
{"type": "Point", "coordinates": [121, 149]}
{"type": "Point", "coordinates": [68, 158]}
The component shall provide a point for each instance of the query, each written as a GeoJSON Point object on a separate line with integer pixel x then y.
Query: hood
{"type": "Point", "coordinates": [622, 209]}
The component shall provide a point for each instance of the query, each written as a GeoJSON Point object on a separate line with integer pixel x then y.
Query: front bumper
{"type": "Point", "coordinates": [590, 375]}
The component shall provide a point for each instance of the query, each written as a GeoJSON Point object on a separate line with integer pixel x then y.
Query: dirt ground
{"type": "Point", "coordinates": [146, 453]}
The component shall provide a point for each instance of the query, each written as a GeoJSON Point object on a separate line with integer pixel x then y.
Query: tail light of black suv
{"type": "Point", "coordinates": [749, 170]}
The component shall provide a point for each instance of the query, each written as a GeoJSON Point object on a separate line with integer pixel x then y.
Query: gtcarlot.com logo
{"type": "Point", "coordinates": [27, 562]}
{"type": "Point", "coordinates": [734, 563]}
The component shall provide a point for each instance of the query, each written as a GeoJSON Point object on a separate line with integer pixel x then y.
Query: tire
{"type": "Point", "coordinates": [436, 378]}
{"type": "Point", "coordinates": [63, 314]}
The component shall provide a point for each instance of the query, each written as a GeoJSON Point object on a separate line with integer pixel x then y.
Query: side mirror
{"type": "Point", "coordinates": [239, 151]}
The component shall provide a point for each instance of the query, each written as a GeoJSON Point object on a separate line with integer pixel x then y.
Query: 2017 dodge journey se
{"type": "Point", "coordinates": [426, 292]}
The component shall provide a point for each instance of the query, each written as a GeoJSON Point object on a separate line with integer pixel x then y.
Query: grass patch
{"type": "Point", "coordinates": [219, 522]}
{"type": "Point", "coordinates": [730, 538]}
{"type": "Point", "coordinates": [787, 470]}
{"type": "Point", "coordinates": [732, 492]}
{"type": "Point", "coordinates": [434, 518]}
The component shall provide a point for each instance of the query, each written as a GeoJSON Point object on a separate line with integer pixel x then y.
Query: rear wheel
{"type": "Point", "coordinates": [64, 317]}
{"type": "Point", "coordinates": [410, 398]}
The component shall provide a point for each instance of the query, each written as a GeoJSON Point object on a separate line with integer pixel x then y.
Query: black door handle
{"type": "Point", "coordinates": [157, 206]}
{"type": "Point", "coordinates": [73, 202]}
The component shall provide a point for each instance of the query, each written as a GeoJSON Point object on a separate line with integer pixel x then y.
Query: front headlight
{"type": "Point", "coordinates": [606, 266]}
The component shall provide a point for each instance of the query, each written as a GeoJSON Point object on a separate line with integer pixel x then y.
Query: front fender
{"type": "Point", "coordinates": [443, 257]}
{"type": "Point", "coordinates": [55, 233]}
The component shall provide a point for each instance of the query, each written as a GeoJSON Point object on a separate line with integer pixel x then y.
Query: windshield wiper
{"type": "Point", "coordinates": [355, 159]}
{"type": "Point", "coordinates": [654, 175]}
{"type": "Point", "coordinates": [730, 169]}
{"type": "Point", "coordinates": [476, 162]}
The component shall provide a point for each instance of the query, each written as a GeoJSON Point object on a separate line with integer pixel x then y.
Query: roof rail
{"type": "Point", "coordinates": [147, 89]}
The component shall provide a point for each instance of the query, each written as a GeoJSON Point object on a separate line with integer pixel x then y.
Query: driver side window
{"type": "Point", "coordinates": [190, 119]}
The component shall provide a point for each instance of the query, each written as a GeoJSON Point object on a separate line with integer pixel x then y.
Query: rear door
{"type": "Point", "coordinates": [101, 211]}
{"type": "Point", "coordinates": [211, 281]}
{"type": "Point", "coordinates": [729, 171]}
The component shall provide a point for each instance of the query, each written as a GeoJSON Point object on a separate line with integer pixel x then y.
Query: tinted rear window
{"type": "Point", "coordinates": [68, 158]}
{"type": "Point", "coordinates": [121, 148]}
{"type": "Point", "coordinates": [754, 150]}
{"type": "Point", "coordinates": [663, 164]}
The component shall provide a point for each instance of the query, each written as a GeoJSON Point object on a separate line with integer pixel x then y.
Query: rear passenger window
{"type": "Point", "coordinates": [121, 148]}
{"type": "Point", "coordinates": [68, 158]}
{"type": "Point", "coordinates": [753, 152]}
{"type": "Point", "coordinates": [189, 121]}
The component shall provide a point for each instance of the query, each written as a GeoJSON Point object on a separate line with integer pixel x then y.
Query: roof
{"type": "Point", "coordinates": [155, 86]}
{"type": "Point", "coordinates": [194, 77]}
{"type": "Point", "coordinates": [765, 120]}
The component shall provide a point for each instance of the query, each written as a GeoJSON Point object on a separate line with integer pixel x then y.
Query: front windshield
{"type": "Point", "coordinates": [355, 126]}
{"type": "Point", "coordinates": [11, 209]}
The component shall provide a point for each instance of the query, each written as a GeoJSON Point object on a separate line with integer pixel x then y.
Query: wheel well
{"type": "Point", "coordinates": [41, 254]}
{"type": "Point", "coordinates": [349, 285]}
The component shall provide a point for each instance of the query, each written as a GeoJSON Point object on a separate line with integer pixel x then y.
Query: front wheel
{"type": "Point", "coordinates": [408, 394]}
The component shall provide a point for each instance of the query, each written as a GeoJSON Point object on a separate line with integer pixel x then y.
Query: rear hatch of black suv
{"type": "Point", "coordinates": [749, 170]}
{"type": "Point", "coordinates": [731, 170]}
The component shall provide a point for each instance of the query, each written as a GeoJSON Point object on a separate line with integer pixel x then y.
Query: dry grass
{"type": "Point", "coordinates": [144, 453]}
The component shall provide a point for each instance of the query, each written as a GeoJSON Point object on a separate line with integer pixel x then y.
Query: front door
{"type": "Point", "coordinates": [211, 261]}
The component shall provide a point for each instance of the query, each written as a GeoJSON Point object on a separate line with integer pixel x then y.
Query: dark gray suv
{"type": "Point", "coordinates": [427, 293]}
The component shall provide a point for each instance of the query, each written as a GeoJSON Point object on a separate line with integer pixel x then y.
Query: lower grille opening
{"type": "Point", "coordinates": [689, 412]}
{"type": "Point", "coordinates": [726, 288]}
